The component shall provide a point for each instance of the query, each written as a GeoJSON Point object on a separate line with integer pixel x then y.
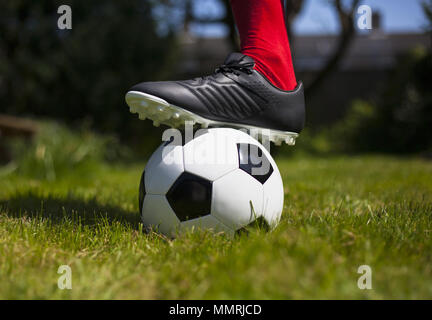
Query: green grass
{"type": "Point", "coordinates": [340, 213]}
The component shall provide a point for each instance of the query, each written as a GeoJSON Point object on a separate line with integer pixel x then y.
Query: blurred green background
{"type": "Point", "coordinates": [366, 90]}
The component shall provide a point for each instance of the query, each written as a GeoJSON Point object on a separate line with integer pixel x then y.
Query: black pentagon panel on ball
{"type": "Point", "coordinates": [190, 196]}
{"type": "Point", "coordinates": [253, 161]}
{"type": "Point", "coordinates": [142, 192]}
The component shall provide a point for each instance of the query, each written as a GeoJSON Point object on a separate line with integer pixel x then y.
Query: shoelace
{"type": "Point", "coordinates": [235, 67]}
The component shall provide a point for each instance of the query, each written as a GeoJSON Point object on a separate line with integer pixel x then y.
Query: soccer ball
{"type": "Point", "coordinates": [223, 180]}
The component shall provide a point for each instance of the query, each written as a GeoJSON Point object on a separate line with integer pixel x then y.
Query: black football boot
{"type": "Point", "coordinates": [234, 96]}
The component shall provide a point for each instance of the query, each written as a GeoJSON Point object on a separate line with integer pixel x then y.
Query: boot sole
{"type": "Point", "coordinates": [161, 112]}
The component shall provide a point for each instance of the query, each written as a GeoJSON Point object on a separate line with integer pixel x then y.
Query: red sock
{"type": "Point", "coordinates": [263, 37]}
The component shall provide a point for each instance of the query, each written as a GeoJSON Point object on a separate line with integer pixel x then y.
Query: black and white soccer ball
{"type": "Point", "coordinates": [222, 180]}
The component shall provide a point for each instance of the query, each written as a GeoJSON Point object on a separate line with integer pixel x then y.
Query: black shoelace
{"type": "Point", "coordinates": [235, 68]}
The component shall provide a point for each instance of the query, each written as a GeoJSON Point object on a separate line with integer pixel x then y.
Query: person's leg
{"type": "Point", "coordinates": [263, 36]}
{"type": "Point", "coordinates": [255, 89]}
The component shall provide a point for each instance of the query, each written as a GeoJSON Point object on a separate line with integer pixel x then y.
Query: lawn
{"type": "Point", "coordinates": [340, 213]}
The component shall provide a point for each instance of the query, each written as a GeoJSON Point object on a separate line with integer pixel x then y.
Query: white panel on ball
{"type": "Point", "coordinates": [206, 222]}
{"type": "Point", "coordinates": [273, 198]}
{"type": "Point", "coordinates": [232, 197]}
{"type": "Point", "coordinates": [212, 154]}
{"type": "Point", "coordinates": [157, 213]}
{"type": "Point", "coordinates": [163, 168]}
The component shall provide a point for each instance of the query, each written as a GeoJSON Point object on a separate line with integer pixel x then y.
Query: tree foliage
{"type": "Point", "coordinates": [83, 72]}
{"type": "Point", "coordinates": [400, 120]}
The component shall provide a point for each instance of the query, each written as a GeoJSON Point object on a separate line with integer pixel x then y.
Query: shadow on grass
{"type": "Point", "coordinates": [57, 209]}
